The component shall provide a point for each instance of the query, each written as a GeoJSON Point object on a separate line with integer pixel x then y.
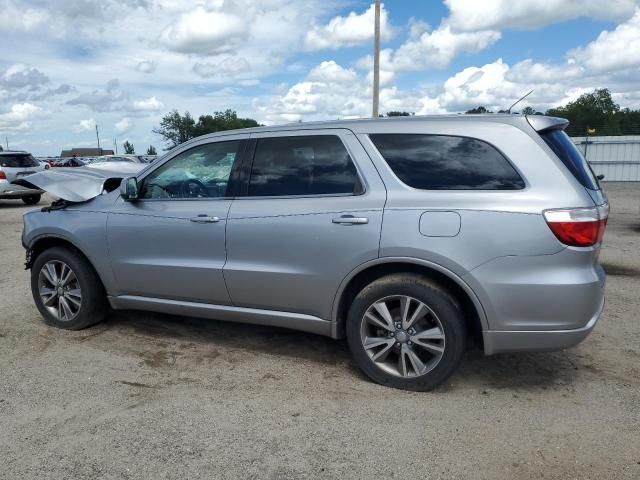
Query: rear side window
{"type": "Point", "coordinates": [18, 161]}
{"type": "Point", "coordinates": [566, 151]}
{"type": "Point", "coordinates": [302, 165]}
{"type": "Point", "coordinates": [442, 162]}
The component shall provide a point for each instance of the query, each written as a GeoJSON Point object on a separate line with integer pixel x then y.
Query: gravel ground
{"type": "Point", "coordinates": [154, 396]}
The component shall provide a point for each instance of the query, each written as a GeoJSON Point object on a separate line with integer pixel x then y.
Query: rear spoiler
{"type": "Point", "coordinates": [542, 123]}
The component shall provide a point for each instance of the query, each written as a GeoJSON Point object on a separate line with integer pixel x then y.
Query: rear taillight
{"type": "Point", "coordinates": [3, 176]}
{"type": "Point", "coordinates": [578, 227]}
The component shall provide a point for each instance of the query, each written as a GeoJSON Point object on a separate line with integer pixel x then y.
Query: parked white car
{"type": "Point", "coordinates": [14, 166]}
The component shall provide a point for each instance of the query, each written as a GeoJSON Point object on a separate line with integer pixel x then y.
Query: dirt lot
{"type": "Point", "coordinates": [154, 396]}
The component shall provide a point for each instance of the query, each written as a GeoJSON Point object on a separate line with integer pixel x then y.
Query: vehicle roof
{"type": "Point", "coordinates": [13, 152]}
{"type": "Point", "coordinates": [363, 125]}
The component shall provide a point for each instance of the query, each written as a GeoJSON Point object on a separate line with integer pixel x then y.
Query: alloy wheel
{"type": "Point", "coordinates": [59, 290]}
{"type": "Point", "coordinates": [402, 336]}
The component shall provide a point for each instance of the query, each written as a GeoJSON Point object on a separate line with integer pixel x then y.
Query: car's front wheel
{"type": "Point", "coordinates": [31, 199]}
{"type": "Point", "coordinates": [67, 290]}
{"type": "Point", "coordinates": [406, 331]}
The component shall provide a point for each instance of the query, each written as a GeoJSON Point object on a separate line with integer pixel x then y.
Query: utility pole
{"type": "Point", "coordinates": [115, 145]}
{"type": "Point", "coordinates": [6, 141]}
{"type": "Point", "coordinates": [97, 135]}
{"type": "Point", "coordinates": [376, 60]}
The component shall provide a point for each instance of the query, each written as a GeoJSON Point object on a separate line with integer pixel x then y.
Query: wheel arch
{"type": "Point", "coordinates": [366, 273]}
{"type": "Point", "coordinates": [47, 241]}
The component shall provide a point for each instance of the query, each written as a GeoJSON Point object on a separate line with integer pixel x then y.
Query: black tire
{"type": "Point", "coordinates": [31, 199]}
{"type": "Point", "coordinates": [442, 303]}
{"type": "Point", "coordinates": [93, 305]}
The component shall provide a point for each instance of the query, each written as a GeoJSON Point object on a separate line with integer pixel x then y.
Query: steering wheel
{"type": "Point", "coordinates": [149, 187]}
{"type": "Point", "coordinates": [193, 188]}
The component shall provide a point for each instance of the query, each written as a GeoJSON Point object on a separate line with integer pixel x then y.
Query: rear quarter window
{"type": "Point", "coordinates": [443, 162]}
{"type": "Point", "coordinates": [569, 154]}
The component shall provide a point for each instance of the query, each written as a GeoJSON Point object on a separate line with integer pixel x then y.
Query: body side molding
{"type": "Point", "coordinates": [255, 316]}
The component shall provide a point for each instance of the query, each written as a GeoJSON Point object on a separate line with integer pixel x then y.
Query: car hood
{"type": "Point", "coordinates": [80, 184]}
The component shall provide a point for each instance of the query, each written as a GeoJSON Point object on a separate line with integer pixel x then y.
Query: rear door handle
{"type": "Point", "coordinates": [350, 220]}
{"type": "Point", "coordinates": [204, 218]}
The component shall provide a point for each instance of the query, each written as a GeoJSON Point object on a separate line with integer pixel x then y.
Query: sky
{"type": "Point", "coordinates": [67, 65]}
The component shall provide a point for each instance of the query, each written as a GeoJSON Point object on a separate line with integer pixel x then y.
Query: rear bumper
{"type": "Point", "coordinates": [539, 303]}
{"type": "Point", "coordinates": [537, 341]}
{"type": "Point", "coordinates": [9, 190]}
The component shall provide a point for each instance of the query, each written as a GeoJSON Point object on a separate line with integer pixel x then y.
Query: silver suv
{"type": "Point", "coordinates": [16, 166]}
{"type": "Point", "coordinates": [408, 236]}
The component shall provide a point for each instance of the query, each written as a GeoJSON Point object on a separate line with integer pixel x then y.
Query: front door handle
{"type": "Point", "coordinates": [204, 218]}
{"type": "Point", "coordinates": [350, 220]}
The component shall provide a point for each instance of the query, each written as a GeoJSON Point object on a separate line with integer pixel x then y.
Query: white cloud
{"type": "Point", "coordinates": [330, 72]}
{"type": "Point", "coordinates": [436, 49]}
{"type": "Point", "coordinates": [186, 55]}
{"type": "Point", "coordinates": [498, 14]}
{"type": "Point", "coordinates": [328, 91]}
{"type": "Point", "coordinates": [612, 50]}
{"type": "Point", "coordinates": [23, 76]}
{"type": "Point", "coordinates": [20, 117]}
{"type": "Point", "coordinates": [425, 49]}
{"type": "Point", "coordinates": [347, 31]}
{"type": "Point", "coordinates": [146, 66]}
{"type": "Point", "coordinates": [332, 91]}
{"type": "Point", "coordinates": [16, 18]}
{"type": "Point", "coordinates": [110, 99]}
{"type": "Point", "coordinates": [123, 125]}
{"type": "Point", "coordinates": [476, 86]}
{"type": "Point", "coordinates": [528, 71]}
{"type": "Point", "coordinates": [205, 32]}
{"type": "Point", "coordinates": [230, 67]}
{"type": "Point", "coordinates": [150, 104]}
{"type": "Point", "coordinates": [113, 99]}
{"type": "Point", "coordinates": [84, 125]}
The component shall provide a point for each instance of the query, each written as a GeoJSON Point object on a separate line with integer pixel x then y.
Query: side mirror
{"type": "Point", "coordinates": [600, 177]}
{"type": "Point", "coordinates": [129, 189]}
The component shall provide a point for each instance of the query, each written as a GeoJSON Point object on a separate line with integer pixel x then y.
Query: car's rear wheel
{"type": "Point", "coordinates": [405, 331]}
{"type": "Point", "coordinates": [31, 199]}
{"type": "Point", "coordinates": [67, 290]}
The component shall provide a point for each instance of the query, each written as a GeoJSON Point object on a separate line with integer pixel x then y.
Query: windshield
{"type": "Point", "coordinates": [18, 161]}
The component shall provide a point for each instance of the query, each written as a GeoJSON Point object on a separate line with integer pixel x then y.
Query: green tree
{"type": "Point", "coordinates": [175, 128]}
{"type": "Point", "coordinates": [221, 121]}
{"type": "Point", "coordinates": [151, 150]}
{"type": "Point", "coordinates": [479, 109]}
{"type": "Point", "coordinates": [591, 110]}
{"type": "Point", "coordinates": [399, 114]}
{"type": "Point", "coordinates": [128, 148]}
{"type": "Point", "coordinates": [629, 121]}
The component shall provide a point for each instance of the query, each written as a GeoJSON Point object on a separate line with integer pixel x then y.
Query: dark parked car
{"type": "Point", "coordinates": [69, 162]}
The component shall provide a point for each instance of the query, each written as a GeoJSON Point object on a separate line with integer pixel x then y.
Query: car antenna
{"type": "Point", "coordinates": [519, 100]}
